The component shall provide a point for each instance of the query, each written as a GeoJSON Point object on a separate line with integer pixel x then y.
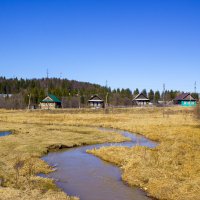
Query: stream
{"type": "Point", "coordinates": [88, 177]}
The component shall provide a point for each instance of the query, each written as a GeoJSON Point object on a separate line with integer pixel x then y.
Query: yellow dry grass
{"type": "Point", "coordinates": [170, 171]}
{"type": "Point", "coordinates": [34, 134]}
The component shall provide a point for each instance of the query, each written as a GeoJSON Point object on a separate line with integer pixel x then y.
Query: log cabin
{"type": "Point", "coordinates": [96, 102]}
{"type": "Point", "coordinates": [140, 100]}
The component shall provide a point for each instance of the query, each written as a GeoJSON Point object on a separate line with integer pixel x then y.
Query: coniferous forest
{"type": "Point", "coordinates": [15, 93]}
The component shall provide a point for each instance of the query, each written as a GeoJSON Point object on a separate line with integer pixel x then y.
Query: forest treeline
{"type": "Point", "coordinates": [15, 93]}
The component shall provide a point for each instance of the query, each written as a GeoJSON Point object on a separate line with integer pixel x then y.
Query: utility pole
{"type": "Point", "coordinates": [29, 101]}
{"type": "Point", "coordinates": [107, 100]}
{"type": "Point", "coordinates": [70, 100]}
{"type": "Point", "coordinates": [164, 93]}
{"type": "Point", "coordinates": [47, 87]}
{"type": "Point", "coordinates": [163, 100]}
{"type": "Point", "coordinates": [106, 104]}
{"type": "Point", "coordinates": [79, 100]}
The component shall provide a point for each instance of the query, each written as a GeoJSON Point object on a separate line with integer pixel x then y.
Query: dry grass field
{"type": "Point", "coordinates": [34, 134]}
{"type": "Point", "coordinates": [170, 171]}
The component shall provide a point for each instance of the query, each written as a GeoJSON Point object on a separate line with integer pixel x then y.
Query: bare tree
{"type": "Point", "coordinates": [14, 102]}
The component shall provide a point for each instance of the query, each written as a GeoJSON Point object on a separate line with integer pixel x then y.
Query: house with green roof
{"type": "Point", "coordinates": [50, 102]}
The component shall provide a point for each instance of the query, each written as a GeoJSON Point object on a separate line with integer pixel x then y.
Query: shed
{"type": "Point", "coordinates": [50, 102]}
{"type": "Point", "coordinates": [96, 102]}
{"type": "Point", "coordinates": [185, 99]}
{"type": "Point", "coordinates": [140, 100]}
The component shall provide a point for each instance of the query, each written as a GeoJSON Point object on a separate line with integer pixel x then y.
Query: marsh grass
{"type": "Point", "coordinates": [33, 135]}
{"type": "Point", "coordinates": [170, 171]}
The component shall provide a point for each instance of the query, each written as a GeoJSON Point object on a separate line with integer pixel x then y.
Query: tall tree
{"type": "Point", "coordinates": [157, 96]}
{"type": "Point", "coordinates": [144, 92]}
{"type": "Point", "coordinates": [151, 95]}
{"type": "Point", "coordinates": [136, 92]}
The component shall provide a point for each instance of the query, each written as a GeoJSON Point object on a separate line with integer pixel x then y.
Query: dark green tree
{"type": "Point", "coordinates": [157, 96]}
{"type": "Point", "coordinates": [151, 95]}
{"type": "Point", "coordinates": [144, 92]}
{"type": "Point", "coordinates": [136, 92]}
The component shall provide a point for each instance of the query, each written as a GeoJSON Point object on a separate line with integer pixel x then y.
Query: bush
{"type": "Point", "coordinates": [197, 111]}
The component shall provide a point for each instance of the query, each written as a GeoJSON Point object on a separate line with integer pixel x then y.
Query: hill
{"type": "Point", "coordinates": [15, 93]}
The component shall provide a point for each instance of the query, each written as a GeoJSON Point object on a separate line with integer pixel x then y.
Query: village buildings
{"type": "Point", "coordinates": [185, 99]}
{"type": "Point", "coordinates": [50, 102]}
{"type": "Point", "coordinates": [140, 100]}
{"type": "Point", "coordinates": [96, 102]}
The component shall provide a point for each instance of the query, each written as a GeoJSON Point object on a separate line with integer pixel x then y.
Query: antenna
{"type": "Point", "coordinates": [47, 86]}
{"type": "Point", "coordinates": [195, 87]}
{"type": "Point", "coordinates": [47, 73]}
{"type": "Point", "coordinates": [106, 83]}
{"type": "Point", "coordinates": [163, 100]}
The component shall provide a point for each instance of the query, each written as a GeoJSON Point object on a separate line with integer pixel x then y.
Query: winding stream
{"type": "Point", "coordinates": [88, 177]}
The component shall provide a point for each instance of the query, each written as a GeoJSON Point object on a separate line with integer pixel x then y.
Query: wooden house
{"type": "Point", "coordinates": [185, 99]}
{"type": "Point", "coordinates": [96, 102]}
{"type": "Point", "coordinates": [140, 100]}
{"type": "Point", "coordinates": [50, 102]}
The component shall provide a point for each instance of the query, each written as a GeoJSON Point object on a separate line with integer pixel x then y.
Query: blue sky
{"type": "Point", "coordinates": [129, 43]}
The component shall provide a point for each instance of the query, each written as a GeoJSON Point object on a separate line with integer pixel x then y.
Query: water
{"type": "Point", "coordinates": [88, 177]}
{"type": "Point", "coordinates": [5, 133]}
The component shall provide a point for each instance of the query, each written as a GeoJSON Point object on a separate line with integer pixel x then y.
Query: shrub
{"type": "Point", "coordinates": [197, 111]}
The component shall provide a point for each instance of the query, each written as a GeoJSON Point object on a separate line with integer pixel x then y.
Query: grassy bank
{"type": "Point", "coordinates": [170, 171]}
{"type": "Point", "coordinates": [33, 136]}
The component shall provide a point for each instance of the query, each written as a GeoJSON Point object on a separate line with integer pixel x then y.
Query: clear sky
{"type": "Point", "coordinates": [129, 43]}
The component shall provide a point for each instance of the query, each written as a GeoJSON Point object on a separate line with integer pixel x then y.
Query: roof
{"type": "Point", "coordinates": [141, 97]}
{"type": "Point", "coordinates": [96, 98]}
{"type": "Point", "coordinates": [51, 99]}
{"type": "Point", "coordinates": [185, 96]}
